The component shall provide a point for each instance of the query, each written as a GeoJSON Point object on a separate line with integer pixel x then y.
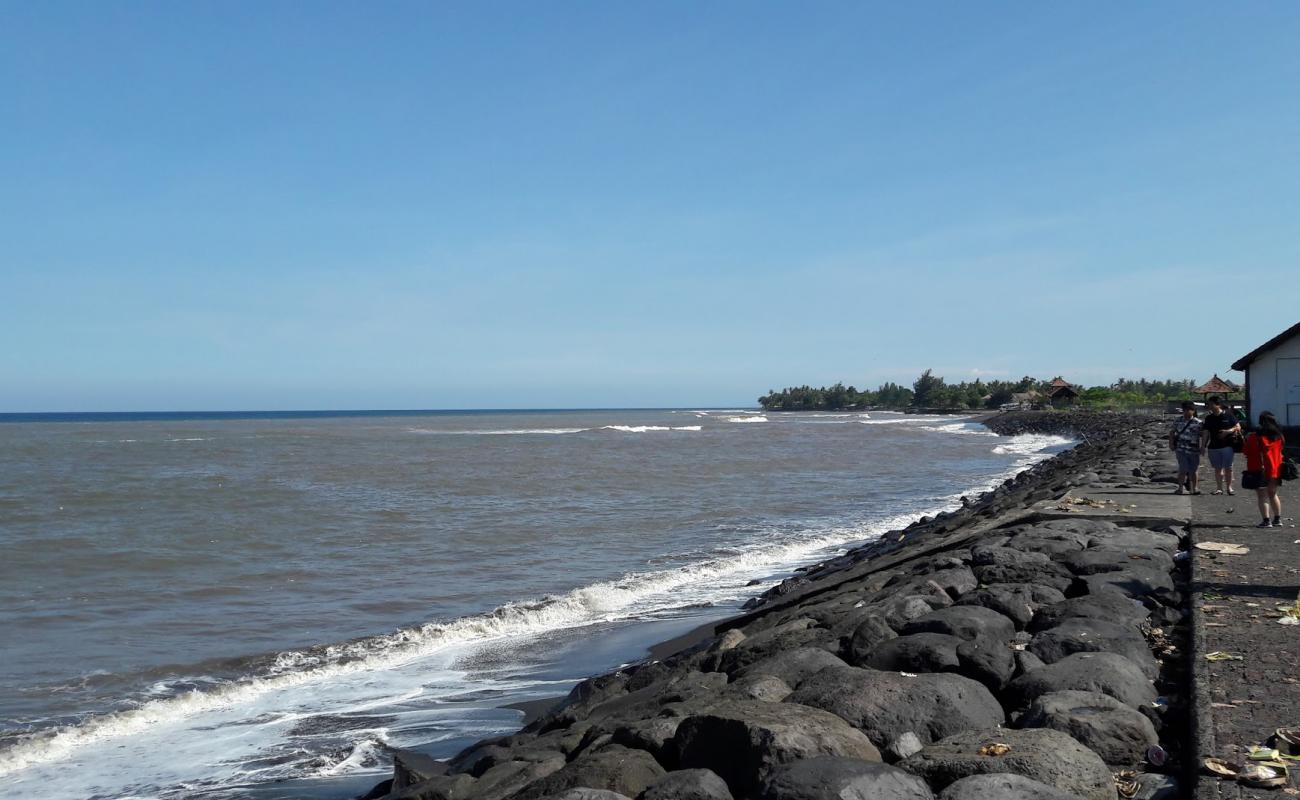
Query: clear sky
{"type": "Point", "coordinates": [234, 205]}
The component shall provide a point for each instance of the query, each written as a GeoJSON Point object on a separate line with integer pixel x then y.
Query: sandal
{"type": "Point", "coordinates": [1230, 492]}
{"type": "Point", "coordinates": [1287, 739]}
{"type": "Point", "coordinates": [1217, 491]}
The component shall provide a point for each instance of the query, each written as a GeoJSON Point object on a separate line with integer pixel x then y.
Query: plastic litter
{"type": "Point", "coordinates": [1264, 775]}
{"type": "Point", "coordinates": [1223, 548]}
{"type": "Point", "coordinates": [1219, 655]}
{"type": "Point", "coordinates": [1127, 783]}
{"type": "Point", "coordinates": [1156, 755]}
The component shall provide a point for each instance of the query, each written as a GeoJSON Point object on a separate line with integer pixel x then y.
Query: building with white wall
{"type": "Point", "coordinates": [1273, 378]}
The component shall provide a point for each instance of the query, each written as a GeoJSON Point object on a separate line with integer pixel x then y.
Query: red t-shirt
{"type": "Point", "coordinates": [1262, 454]}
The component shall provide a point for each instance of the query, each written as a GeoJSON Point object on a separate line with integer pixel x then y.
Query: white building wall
{"type": "Point", "coordinates": [1274, 383]}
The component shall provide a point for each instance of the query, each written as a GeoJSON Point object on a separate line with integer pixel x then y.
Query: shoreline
{"type": "Point", "coordinates": [633, 728]}
{"type": "Point", "coordinates": [663, 649]}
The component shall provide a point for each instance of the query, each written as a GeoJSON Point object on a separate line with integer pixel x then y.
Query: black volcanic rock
{"type": "Point", "coordinates": [743, 741]}
{"type": "Point", "coordinates": [1041, 754]}
{"type": "Point", "coordinates": [885, 705]}
{"type": "Point", "coordinates": [841, 779]}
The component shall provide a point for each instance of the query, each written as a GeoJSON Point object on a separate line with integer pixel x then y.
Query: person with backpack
{"type": "Point", "coordinates": [1220, 434]}
{"type": "Point", "coordinates": [1185, 441]}
{"type": "Point", "coordinates": [1263, 473]}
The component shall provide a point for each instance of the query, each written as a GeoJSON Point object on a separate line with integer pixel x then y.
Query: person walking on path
{"type": "Point", "coordinates": [1218, 432]}
{"type": "Point", "coordinates": [1185, 441]}
{"type": "Point", "coordinates": [1263, 473]}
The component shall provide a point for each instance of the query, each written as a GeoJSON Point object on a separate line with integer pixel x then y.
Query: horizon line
{"type": "Point", "coordinates": [9, 415]}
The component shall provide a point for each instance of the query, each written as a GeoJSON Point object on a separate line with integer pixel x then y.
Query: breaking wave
{"type": "Point", "coordinates": [635, 595]}
{"type": "Point", "coordinates": [649, 428]}
{"type": "Point", "coordinates": [965, 428]}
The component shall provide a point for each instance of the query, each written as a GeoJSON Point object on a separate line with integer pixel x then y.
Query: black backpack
{"type": "Point", "coordinates": [1289, 471]}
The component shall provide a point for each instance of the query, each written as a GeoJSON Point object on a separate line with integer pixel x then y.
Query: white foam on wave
{"type": "Point", "coordinates": [964, 428]}
{"type": "Point", "coordinates": [755, 418]}
{"type": "Point", "coordinates": [1031, 447]}
{"type": "Point", "coordinates": [907, 419]}
{"type": "Point", "coordinates": [650, 428]}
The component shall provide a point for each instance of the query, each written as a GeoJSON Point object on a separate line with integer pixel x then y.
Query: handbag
{"type": "Point", "coordinates": [1252, 479]}
{"type": "Point", "coordinates": [1290, 471]}
{"type": "Point", "coordinates": [1237, 442]}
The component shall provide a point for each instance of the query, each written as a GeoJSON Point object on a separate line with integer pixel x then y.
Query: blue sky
{"type": "Point", "coordinates": [418, 205]}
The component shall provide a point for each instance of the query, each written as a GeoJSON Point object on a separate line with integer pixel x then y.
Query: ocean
{"type": "Point", "coordinates": [256, 606]}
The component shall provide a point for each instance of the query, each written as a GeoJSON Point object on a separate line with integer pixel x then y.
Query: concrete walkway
{"type": "Point", "coordinates": [1235, 598]}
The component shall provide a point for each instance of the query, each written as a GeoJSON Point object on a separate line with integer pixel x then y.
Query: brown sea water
{"type": "Point", "coordinates": [204, 604]}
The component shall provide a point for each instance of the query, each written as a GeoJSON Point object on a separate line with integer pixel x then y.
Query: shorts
{"type": "Point", "coordinates": [1188, 462]}
{"type": "Point", "coordinates": [1221, 457]}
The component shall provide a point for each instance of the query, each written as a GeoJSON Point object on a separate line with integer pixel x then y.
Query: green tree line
{"type": "Point", "coordinates": [932, 391]}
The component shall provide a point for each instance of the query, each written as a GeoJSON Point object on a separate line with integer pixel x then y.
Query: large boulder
{"type": "Point", "coordinates": [793, 666]}
{"type": "Point", "coordinates": [1108, 606]}
{"type": "Point", "coordinates": [1003, 786]}
{"type": "Point", "coordinates": [870, 632]}
{"type": "Point", "coordinates": [1134, 581]}
{"type": "Point", "coordinates": [684, 687]}
{"type": "Point", "coordinates": [439, 787]}
{"type": "Point", "coordinates": [1106, 673]}
{"type": "Point", "coordinates": [1094, 636]}
{"type": "Point", "coordinates": [1112, 730]}
{"type": "Point", "coordinates": [1135, 538]}
{"type": "Point", "coordinates": [841, 779]}
{"type": "Point", "coordinates": [885, 705]}
{"type": "Point", "coordinates": [1048, 541]}
{"type": "Point", "coordinates": [1049, 574]}
{"type": "Point", "coordinates": [1000, 555]}
{"type": "Point", "coordinates": [956, 579]}
{"type": "Point", "coordinates": [588, 794]}
{"type": "Point", "coordinates": [768, 688]}
{"type": "Point", "coordinates": [784, 638]}
{"type": "Point", "coordinates": [688, 784]}
{"type": "Point", "coordinates": [653, 735]}
{"type": "Point", "coordinates": [412, 766]}
{"type": "Point", "coordinates": [504, 780]}
{"type": "Point", "coordinates": [897, 611]}
{"type": "Point", "coordinates": [618, 769]}
{"type": "Point", "coordinates": [1041, 754]}
{"type": "Point", "coordinates": [919, 652]}
{"type": "Point", "coordinates": [743, 740]}
{"type": "Point", "coordinates": [1113, 559]}
{"type": "Point", "coordinates": [1017, 601]}
{"type": "Point", "coordinates": [967, 622]}
{"type": "Point", "coordinates": [989, 661]}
